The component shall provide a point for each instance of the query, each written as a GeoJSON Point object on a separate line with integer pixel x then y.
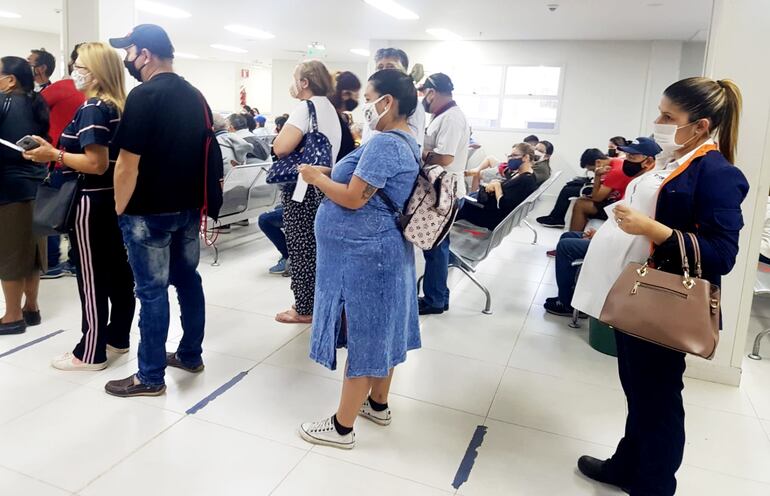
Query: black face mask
{"type": "Point", "coordinates": [350, 104]}
{"type": "Point", "coordinates": [631, 169]}
{"type": "Point", "coordinates": [426, 105]}
{"type": "Point", "coordinates": [136, 73]}
{"type": "Point", "coordinates": [612, 152]}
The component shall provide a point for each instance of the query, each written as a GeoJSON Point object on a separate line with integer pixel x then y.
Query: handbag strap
{"type": "Point", "coordinates": [5, 108]}
{"type": "Point", "coordinates": [696, 251]}
{"type": "Point", "coordinates": [313, 116]}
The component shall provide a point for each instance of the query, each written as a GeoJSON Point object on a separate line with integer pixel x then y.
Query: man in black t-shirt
{"type": "Point", "coordinates": [159, 193]}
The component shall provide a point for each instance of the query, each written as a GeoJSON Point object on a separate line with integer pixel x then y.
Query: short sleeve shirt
{"type": "Point", "coordinates": [94, 123]}
{"type": "Point", "coordinates": [616, 180]}
{"type": "Point", "coordinates": [448, 134]}
{"type": "Point", "coordinates": [164, 123]}
{"type": "Point", "coordinates": [328, 121]}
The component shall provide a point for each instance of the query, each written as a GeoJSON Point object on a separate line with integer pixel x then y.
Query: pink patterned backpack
{"type": "Point", "coordinates": [431, 208]}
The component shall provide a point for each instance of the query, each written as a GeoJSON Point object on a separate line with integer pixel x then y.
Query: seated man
{"type": "Point", "coordinates": [571, 247]}
{"type": "Point", "coordinates": [542, 166]}
{"type": "Point", "coordinates": [234, 148]}
{"type": "Point", "coordinates": [271, 224]}
{"type": "Point", "coordinates": [610, 181]}
{"type": "Point", "coordinates": [639, 159]}
{"type": "Point", "coordinates": [239, 124]}
{"type": "Point", "coordinates": [498, 198]}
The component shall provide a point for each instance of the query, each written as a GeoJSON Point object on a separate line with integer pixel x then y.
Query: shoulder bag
{"type": "Point", "coordinates": [679, 312]}
{"type": "Point", "coordinates": [314, 149]}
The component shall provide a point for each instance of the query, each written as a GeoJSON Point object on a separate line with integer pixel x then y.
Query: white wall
{"type": "Point", "coordinates": [610, 88]}
{"type": "Point", "coordinates": [220, 83]}
{"type": "Point", "coordinates": [693, 55]}
{"type": "Point", "coordinates": [19, 42]}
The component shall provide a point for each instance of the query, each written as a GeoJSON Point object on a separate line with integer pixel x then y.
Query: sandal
{"type": "Point", "coordinates": [292, 317]}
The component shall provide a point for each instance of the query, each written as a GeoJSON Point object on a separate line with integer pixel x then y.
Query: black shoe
{"type": "Point", "coordinates": [173, 361]}
{"type": "Point", "coordinates": [597, 470]}
{"type": "Point", "coordinates": [32, 317]}
{"type": "Point", "coordinates": [548, 221]}
{"type": "Point", "coordinates": [558, 308]}
{"type": "Point", "coordinates": [552, 299]}
{"type": "Point", "coordinates": [125, 388]}
{"type": "Point", "coordinates": [17, 327]}
{"type": "Point", "coordinates": [425, 309]}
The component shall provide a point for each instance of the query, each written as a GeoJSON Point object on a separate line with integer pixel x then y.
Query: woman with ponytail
{"type": "Point", "coordinates": [22, 256]}
{"type": "Point", "coordinates": [85, 150]}
{"type": "Point", "coordinates": [697, 190]}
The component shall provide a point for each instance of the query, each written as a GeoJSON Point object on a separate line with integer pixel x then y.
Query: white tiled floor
{"type": "Point", "coordinates": [543, 394]}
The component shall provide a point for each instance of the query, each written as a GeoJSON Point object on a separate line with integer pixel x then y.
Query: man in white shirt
{"type": "Point", "coordinates": [446, 144]}
{"type": "Point", "coordinates": [395, 58]}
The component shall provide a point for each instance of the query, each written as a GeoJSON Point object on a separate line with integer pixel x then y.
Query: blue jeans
{"type": "Point", "coordinates": [572, 246]}
{"type": "Point", "coordinates": [54, 251]}
{"type": "Point", "coordinates": [164, 249]}
{"type": "Point", "coordinates": [271, 223]}
{"type": "Point", "coordinates": [434, 286]}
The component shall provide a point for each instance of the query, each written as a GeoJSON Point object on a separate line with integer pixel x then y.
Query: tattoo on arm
{"type": "Point", "coordinates": [369, 192]}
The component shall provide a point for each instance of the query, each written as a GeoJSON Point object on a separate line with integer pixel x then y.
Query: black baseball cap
{"type": "Point", "coordinates": [590, 156]}
{"type": "Point", "coordinates": [439, 82]}
{"type": "Point", "coordinates": [642, 146]}
{"type": "Point", "coordinates": [150, 36]}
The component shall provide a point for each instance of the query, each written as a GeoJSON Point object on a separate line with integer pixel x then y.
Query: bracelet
{"type": "Point", "coordinates": [60, 158]}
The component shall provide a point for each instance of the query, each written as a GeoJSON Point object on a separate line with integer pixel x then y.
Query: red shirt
{"type": "Point", "coordinates": [63, 100]}
{"type": "Point", "coordinates": [616, 180]}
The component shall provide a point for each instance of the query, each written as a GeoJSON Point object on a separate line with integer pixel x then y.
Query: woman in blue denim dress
{"type": "Point", "coordinates": [366, 293]}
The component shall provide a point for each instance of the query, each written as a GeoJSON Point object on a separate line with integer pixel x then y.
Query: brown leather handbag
{"type": "Point", "coordinates": [677, 312]}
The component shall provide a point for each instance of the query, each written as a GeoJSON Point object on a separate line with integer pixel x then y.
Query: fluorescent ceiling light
{"type": "Point", "coordinates": [360, 51]}
{"type": "Point", "coordinates": [228, 48]}
{"type": "Point", "coordinates": [250, 32]}
{"type": "Point", "coordinates": [393, 9]}
{"type": "Point", "coordinates": [444, 34]}
{"type": "Point", "coordinates": [184, 55]}
{"type": "Point", "coordinates": [161, 9]}
{"type": "Point", "coordinates": [9, 15]}
{"type": "Point", "coordinates": [317, 46]}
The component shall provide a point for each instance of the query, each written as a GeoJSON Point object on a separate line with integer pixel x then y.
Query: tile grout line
{"type": "Point", "coordinates": [132, 452]}
{"type": "Point", "coordinates": [292, 469]}
{"type": "Point", "coordinates": [24, 474]}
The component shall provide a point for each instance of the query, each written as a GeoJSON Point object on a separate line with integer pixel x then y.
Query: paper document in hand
{"type": "Point", "coordinates": [299, 190]}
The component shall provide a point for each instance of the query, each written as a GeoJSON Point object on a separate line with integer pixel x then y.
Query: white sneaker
{"type": "Point", "coordinates": [381, 418]}
{"type": "Point", "coordinates": [324, 433]}
{"type": "Point", "coordinates": [119, 351]}
{"type": "Point", "coordinates": [67, 362]}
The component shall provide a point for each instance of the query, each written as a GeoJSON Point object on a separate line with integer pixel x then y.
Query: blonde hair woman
{"type": "Point", "coordinates": [312, 82]}
{"type": "Point", "coordinates": [86, 153]}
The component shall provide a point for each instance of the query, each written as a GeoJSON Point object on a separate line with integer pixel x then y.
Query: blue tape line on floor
{"type": "Point", "coordinates": [219, 391]}
{"type": "Point", "coordinates": [464, 470]}
{"type": "Point", "coordinates": [31, 343]}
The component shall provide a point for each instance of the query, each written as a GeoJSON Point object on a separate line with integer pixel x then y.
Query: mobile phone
{"type": "Point", "coordinates": [28, 143]}
{"type": "Point", "coordinates": [612, 152]}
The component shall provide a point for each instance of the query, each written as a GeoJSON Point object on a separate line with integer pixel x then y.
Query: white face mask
{"type": "Point", "coordinates": [81, 80]}
{"type": "Point", "coordinates": [665, 136]}
{"type": "Point", "coordinates": [371, 116]}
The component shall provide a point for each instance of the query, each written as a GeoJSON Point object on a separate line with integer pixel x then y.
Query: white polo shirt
{"type": "Point", "coordinates": [448, 134]}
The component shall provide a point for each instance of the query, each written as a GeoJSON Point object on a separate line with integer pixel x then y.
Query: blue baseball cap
{"type": "Point", "coordinates": [642, 146]}
{"type": "Point", "coordinates": [260, 119]}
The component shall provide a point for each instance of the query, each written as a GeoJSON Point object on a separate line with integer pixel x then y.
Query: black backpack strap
{"type": "Point", "coordinates": [313, 116]}
{"type": "Point", "coordinates": [390, 203]}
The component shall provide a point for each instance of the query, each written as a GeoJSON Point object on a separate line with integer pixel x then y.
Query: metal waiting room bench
{"type": "Point", "coordinates": [761, 287]}
{"type": "Point", "coordinates": [472, 244]}
{"type": "Point", "coordinates": [246, 195]}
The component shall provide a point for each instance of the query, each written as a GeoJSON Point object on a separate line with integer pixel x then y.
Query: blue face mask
{"type": "Point", "coordinates": [514, 163]}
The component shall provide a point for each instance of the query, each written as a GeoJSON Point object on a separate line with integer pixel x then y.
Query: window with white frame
{"type": "Point", "coordinates": [522, 98]}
